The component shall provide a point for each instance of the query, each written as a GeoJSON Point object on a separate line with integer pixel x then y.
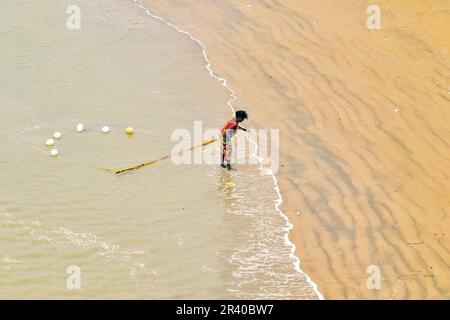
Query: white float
{"type": "Point", "coordinates": [49, 142]}
{"type": "Point", "coordinates": [80, 127]}
{"type": "Point", "coordinates": [105, 129]}
{"type": "Point", "coordinates": [57, 135]}
{"type": "Point", "coordinates": [54, 152]}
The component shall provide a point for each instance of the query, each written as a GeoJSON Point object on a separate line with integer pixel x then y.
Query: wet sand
{"type": "Point", "coordinates": [363, 118]}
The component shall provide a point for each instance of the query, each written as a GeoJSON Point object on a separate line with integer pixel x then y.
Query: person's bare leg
{"type": "Point", "coordinates": [223, 156]}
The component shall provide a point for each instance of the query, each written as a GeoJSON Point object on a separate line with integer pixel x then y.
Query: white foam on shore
{"type": "Point", "coordinates": [233, 97]}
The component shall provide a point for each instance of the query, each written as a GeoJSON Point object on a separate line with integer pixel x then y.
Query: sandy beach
{"type": "Point", "coordinates": [359, 208]}
{"type": "Point", "coordinates": [363, 118]}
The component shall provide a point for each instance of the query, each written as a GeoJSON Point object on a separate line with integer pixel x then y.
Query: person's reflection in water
{"type": "Point", "coordinates": [226, 188]}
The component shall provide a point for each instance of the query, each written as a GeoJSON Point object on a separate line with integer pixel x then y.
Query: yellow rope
{"type": "Point", "coordinates": [154, 161]}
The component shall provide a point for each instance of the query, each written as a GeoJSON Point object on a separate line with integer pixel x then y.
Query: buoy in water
{"type": "Point", "coordinates": [80, 127]}
{"type": "Point", "coordinates": [49, 142]}
{"type": "Point", "coordinates": [57, 135]}
{"type": "Point", "coordinates": [229, 184]}
{"type": "Point", "coordinates": [129, 130]}
{"type": "Point", "coordinates": [54, 152]}
{"type": "Point", "coordinates": [105, 129]}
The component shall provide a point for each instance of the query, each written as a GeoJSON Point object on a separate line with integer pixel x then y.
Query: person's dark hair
{"type": "Point", "coordinates": [241, 114]}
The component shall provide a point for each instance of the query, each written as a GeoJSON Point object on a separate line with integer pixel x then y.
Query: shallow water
{"type": "Point", "coordinates": [165, 231]}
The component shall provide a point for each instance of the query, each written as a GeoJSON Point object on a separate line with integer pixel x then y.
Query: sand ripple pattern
{"type": "Point", "coordinates": [364, 130]}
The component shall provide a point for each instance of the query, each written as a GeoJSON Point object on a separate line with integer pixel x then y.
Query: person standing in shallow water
{"type": "Point", "coordinates": [228, 131]}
